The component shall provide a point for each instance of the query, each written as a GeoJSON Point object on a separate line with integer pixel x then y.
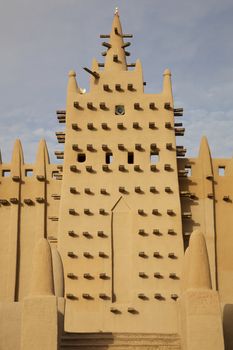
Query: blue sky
{"type": "Point", "coordinates": [42, 40]}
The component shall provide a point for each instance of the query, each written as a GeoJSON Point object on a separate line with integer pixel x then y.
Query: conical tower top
{"type": "Point", "coordinates": [116, 57]}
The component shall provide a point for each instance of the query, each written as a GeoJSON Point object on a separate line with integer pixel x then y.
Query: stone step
{"type": "Point", "coordinates": [84, 341]}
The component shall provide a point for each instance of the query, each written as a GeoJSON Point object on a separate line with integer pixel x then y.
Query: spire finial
{"type": "Point", "coordinates": [167, 85]}
{"type": "Point", "coordinates": [116, 11]}
{"type": "Point", "coordinates": [116, 56]}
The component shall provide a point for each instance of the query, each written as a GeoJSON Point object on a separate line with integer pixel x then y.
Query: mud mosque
{"type": "Point", "coordinates": [127, 243]}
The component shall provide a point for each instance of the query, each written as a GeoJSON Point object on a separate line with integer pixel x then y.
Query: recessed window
{"type": "Point", "coordinates": [28, 172]}
{"type": "Point", "coordinates": [130, 158]}
{"type": "Point", "coordinates": [108, 158]}
{"type": "Point", "coordinates": [6, 173]}
{"type": "Point", "coordinates": [188, 170]}
{"type": "Point", "coordinates": [119, 110]}
{"type": "Point", "coordinates": [154, 157]}
{"type": "Point", "coordinates": [221, 170]}
{"type": "Point", "coordinates": [81, 157]}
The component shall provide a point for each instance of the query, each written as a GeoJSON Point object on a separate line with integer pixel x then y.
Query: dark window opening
{"type": "Point", "coordinates": [28, 172]}
{"type": "Point", "coordinates": [221, 170]}
{"type": "Point", "coordinates": [119, 110]}
{"type": "Point", "coordinates": [154, 157]}
{"type": "Point", "coordinates": [130, 158]}
{"type": "Point", "coordinates": [6, 173]}
{"type": "Point", "coordinates": [108, 158]}
{"type": "Point", "coordinates": [81, 157]}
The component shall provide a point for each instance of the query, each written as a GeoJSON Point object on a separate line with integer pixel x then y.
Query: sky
{"type": "Point", "coordinates": [42, 40]}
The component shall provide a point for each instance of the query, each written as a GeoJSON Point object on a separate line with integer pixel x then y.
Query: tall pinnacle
{"type": "Point", "coordinates": [116, 58]}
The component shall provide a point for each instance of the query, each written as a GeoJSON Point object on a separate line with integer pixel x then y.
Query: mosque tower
{"type": "Point", "coordinates": [126, 243]}
{"type": "Point", "coordinates": [120, 230]}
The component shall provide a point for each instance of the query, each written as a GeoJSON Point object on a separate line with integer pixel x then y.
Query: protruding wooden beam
{"type": "Point", "coordinates": [179, 131]}
{"type": "Point", "coordinates": [61, 116]}
{"type": "Point", "coordinates": [127, 35]}
{"type": "Point", "coordinates": [60, 137]}
{"type": "Point", "coordinates": [167, 105]}
{"type": "Point", "coordinates": [108, 45]}
{"type": "Point", "coordinates": [95, 74]}
{"type": "Point", "coordinates": [77, 105]}
{"type": "Point", "coordinates": [104, 36]}
{"type": "Point", "coordinates": [126, 44]}
{"type": "Point", "coordinates": [59, 154]}
{"type": "Point", "coordinates": [180, 110]}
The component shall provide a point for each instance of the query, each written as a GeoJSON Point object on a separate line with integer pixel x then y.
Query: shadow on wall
{"type": "Point", "coordinates": [228, 326]}
{"type": "Point", "coordinates": [87, 340]}
{"type": "Point", "coordinates": [186, 206]}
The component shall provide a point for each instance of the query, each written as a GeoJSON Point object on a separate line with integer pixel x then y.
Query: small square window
{"type": "Point", "coordinates": [119, 110]}
{"type": "Point", "coordinates": [221, 170]}
{"type": "Point", "coordinates": [28, 172]}
{"type": "Point", "coordinates": [81, 158]}
{"type": "Point", "coordinates": [188, 170]}
{"type": "Point", "coordinates": [6, 173]}
{"type": "Point", "coordinates": [108, 158]}
{"type": "Point", "coordinates": [54, 174]}
{"type": "Point", "coordinates": [154, 157]}
{"type": "Point", "coordinates": [130, 157]}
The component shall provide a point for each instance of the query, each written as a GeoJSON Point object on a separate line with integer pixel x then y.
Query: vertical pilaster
{"type": "Point", "coordinates": [39, 314]}
{"type": "Point", "coordinates": [12, 264]}
{"type": "Point", "coordinates": [208, 204]}
{"type": "Point", "coordinates": [42, 161]}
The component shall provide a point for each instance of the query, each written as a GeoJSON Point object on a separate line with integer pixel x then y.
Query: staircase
{"type": "Point", "coordinates": [120, 341]}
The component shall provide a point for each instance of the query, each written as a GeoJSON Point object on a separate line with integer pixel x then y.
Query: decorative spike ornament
{"type": "Point", "coordinates": [205, 157]}
{"type": "Point", "coordinates": [72, 88]}
{"type": "Point", "coordinates": [42, 159]}
{"type": "Point", "coordinates": [17, 160]}
{"type": "Point", "coordinates": [167, 86]}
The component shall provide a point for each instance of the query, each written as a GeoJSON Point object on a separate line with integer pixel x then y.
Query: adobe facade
{"type": "Point", "coordinates": [127, 243]}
